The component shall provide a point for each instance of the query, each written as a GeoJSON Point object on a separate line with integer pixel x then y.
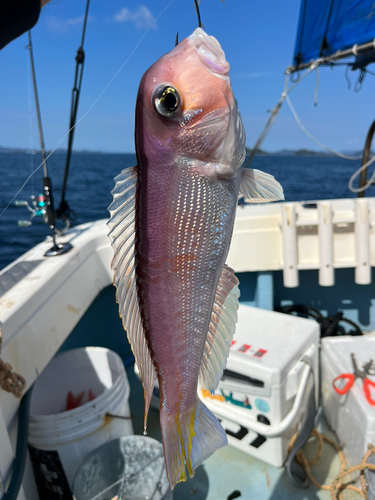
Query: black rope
{"type": "Point", "coordinates": [329, 326]}
{"type": "Point", "coordinates": [64, 212]}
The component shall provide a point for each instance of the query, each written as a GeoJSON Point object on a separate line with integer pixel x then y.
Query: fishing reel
{"type": "Point", "coordinates": [37, 207]}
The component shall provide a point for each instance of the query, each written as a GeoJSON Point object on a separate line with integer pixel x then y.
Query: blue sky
{"type": "Point", "coordinates": [257, 36]}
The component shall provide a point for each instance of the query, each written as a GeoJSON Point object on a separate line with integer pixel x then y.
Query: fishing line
{"type": "Point", "coordinates": [90, 108]}
{"type": "Point", "coordinates": [31, 151]}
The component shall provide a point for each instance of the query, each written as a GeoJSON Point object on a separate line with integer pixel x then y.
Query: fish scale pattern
{"type": "Point", "coordinates": [179, 267]}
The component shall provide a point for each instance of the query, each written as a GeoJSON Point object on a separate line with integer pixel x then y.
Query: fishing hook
{"type": "Point", "coordinates": [196, 3]}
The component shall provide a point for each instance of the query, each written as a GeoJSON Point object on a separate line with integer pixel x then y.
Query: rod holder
{"type": "Point", "coordinates": [362, 242]}
{"type": "Point", "coordinates": [325, 232]}
{"type": "Point", "coordinates": [58, 249]}
{"type": "Point", "coordinates": [290, 251]}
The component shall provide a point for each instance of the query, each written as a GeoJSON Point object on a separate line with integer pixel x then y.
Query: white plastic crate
{"type": "Point", "coordinates": [350, 415]}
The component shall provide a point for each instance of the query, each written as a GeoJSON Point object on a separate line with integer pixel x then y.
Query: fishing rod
{"type": "Point", "coordinates": [42, 205]}
{"type": "Point", "coordinates": [64, 212]}
{"type": "Point", "coordinates": [49, 212]}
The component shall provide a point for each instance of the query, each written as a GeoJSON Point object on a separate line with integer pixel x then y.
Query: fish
{"type": "Point", "coordinates": [171, 223]}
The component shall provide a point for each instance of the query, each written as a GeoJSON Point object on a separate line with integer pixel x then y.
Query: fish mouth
{"type": "Point", "coordinates": [210, 53]}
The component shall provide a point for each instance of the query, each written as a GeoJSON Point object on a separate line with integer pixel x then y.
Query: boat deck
{"type": "Point", "coordinates": [230, 470]}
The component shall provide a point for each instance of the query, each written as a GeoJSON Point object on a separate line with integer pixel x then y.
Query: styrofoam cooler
{"type": "Point", "coordinates": [350, 415]}
{"type": "Point", "coordinates": [262, 396]}
{"type": "Point", "coordinates": [59, 439]}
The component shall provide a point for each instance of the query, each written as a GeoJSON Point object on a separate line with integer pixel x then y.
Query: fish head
{"type": "Point", "coordinates": [186, 107]}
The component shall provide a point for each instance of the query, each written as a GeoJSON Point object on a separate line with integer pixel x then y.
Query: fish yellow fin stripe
{"type": "Point", "coordinates": [187, 452]}
{"type": "Point", "coordinates": [189, 440]}
{"type": "Point", "coordinates": [259, 187]}
{"type": "Point", "coordinates": [221, 330]}
{"type": "Point", "coordinates": [122, 235]}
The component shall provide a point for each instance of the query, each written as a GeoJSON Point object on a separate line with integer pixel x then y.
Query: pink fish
{"type": "Point", "coordinates": [171, 224]}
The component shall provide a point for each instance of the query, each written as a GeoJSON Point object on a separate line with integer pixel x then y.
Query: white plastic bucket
{"type": "Point", "coordinates": [60, 440]}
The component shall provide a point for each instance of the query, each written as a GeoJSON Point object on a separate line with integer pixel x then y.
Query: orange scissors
{"type": "Point", "coordinates": [350, 378]}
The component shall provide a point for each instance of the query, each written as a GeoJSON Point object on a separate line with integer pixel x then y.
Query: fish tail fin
{"type": "Point", "coordinates": [189, 440]}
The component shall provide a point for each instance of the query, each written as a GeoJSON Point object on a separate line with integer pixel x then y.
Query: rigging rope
{"type": "Point", "coordinates": [346, 157]}
{"type": "Point", "coordinates": [357, 173]}
{"type": "Point", "coordinates": [342, 155]}
{"type": "Point", "coordinates": [275, 112]}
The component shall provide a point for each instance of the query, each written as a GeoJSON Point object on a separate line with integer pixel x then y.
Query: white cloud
{"type": "Point", "coordinates": [77, 20]}
{"type": "Point", "coordinates": [141, 17]}
{"type": "Point", "coordinates": [58, 25]}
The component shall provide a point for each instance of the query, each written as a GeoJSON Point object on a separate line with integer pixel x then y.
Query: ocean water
{"type": "Point", "coordinates": [91, 181]}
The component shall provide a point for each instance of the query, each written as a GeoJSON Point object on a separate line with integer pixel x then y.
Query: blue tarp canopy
{"type": "Point", "coordinates": [326, 26]}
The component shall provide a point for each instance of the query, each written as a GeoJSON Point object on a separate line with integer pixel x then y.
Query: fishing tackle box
{"type": "Point", "coordinates": [272, 369]}
{"type": "Point", "coordinates": [350, 415]}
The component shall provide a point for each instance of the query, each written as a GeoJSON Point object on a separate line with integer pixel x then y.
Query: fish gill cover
{"type": "Point", "coordinates": [326, 26]}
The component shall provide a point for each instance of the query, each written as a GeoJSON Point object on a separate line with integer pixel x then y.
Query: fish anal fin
{"type": "Point", "coordinates": [259, 187]}
{"type": "Point", "coordinates": [122, 234]}
{"type": "Point", "coordinates": [221, 330]}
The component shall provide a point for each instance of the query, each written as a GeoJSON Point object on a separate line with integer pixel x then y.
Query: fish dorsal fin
{"type": "Point", "coordinates": [259, 187]}
{"type": "Point", "coordinates": [122, 235]}
{"type": "Point", "coordinates": [221, 329]}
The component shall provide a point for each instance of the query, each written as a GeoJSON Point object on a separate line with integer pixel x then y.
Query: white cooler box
{"type": "Point", "coordinates": [350, 415]}
{"type": "Point", "coordinates": [262, 396]}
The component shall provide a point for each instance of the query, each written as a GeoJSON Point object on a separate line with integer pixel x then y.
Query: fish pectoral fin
{"type": "Point", "coordinates": [188, 440]}
{"type": "Point", "coordinates": [233, 152]}
{"type": "Point", "coordinates": [122, 235]}
{"type": "Point", "coordinates": [259, 187]}
{"type": "Point", "coordinates": [221, 330]}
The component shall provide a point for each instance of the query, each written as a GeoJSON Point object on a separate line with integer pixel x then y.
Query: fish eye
{"type": "Point", "coordinates": [166, 100]}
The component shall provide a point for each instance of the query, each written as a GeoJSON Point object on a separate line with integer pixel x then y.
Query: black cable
{"type": "Point", "coordinates": [64, 211]}
{"type": "Point", "coordinates": [329, 326]}
{"type": "Point", "coordinates": [21, 448]}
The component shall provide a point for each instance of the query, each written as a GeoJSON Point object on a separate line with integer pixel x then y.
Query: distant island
{"type": "Point", "coordinates": [261, 152]}
{"type": "Point", "coordinates": [302, 152]}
